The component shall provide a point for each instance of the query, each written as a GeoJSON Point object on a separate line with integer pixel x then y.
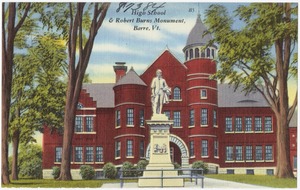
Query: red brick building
{"type": "Point", "coordinates": [231, 131]}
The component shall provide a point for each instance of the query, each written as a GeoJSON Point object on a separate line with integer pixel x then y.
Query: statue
{"type": "Point", "coordinates": [159, 92]}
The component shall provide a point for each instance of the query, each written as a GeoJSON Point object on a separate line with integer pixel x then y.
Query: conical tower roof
{"type": "Point", "coordinates": [196, 36]}
{"type": "Point", "coordinates": [131, 78]}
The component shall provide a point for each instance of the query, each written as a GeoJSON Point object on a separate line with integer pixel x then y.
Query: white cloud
{"type": "Point", "coordinates": [179, 28]}
{"type": "Point", "coordinates": [109, 47]}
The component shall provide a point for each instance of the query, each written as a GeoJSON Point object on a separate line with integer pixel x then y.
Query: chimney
{"type": "Point", "coordinates": [120, 70]}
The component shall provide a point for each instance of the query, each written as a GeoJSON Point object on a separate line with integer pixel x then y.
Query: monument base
{"type": "Point", "coordinates": [146, 180]}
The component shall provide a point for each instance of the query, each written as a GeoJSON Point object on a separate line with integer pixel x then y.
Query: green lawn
{"type": "Point", "coordinates": [269, 181]}
{"type": "Point", "coordinates": [263, 180]}
{"type": "Point", "coordinates": [29, 183]}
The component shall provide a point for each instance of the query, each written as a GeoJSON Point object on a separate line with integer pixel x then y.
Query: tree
{"type": "Point", "coordinates": [246, 57]}
{"type": "Point", "coordinates": [30, 160]}
{"type": "Point", "coordinates": [38, 92]}
{"type": "Point", "coordinates": [79, 25]}
{"type": "Point", "coordinates": [10, 28]}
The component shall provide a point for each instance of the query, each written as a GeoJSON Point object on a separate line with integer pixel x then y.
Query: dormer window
{"type": "Point", "coordinates": [213, 53]}
{"type": "Point", "coordinates": [186, 55]}
{"type": "Point", "coordinates": [202, 53]}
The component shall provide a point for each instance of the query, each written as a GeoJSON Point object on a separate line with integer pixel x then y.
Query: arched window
{"type": "Point", "coordinates": [177, 95]}
{"type": "Point", "coordinates": [197, 53]}
{"type": "Point", "coordinates": [213, 53]}
{"type": "Point", "coordinates": [191, 54]}
{"type": "Point", "coordinates": [79, 105]}
{"type": "Point", "coordinates": [202, 53]}
{"type": "Point", "coordinates": [186, 55]}
{"type": "Point", "coordinates": [207, 52]}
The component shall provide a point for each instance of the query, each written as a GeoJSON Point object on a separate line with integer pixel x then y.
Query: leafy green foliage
{"type": "Point", "coordinates": [109, 170]}
{"type": "Point", "coordinates": [87, 172]}
{"type": "Point", "coordinates": [30, 161]}
{"type": "Point", "coordinates": [177, 166]}
{"type": "Point", "coordinates": [141, 165]}
{"type": "Point", "coordinates": [55, 172]}
{"type": "Point", "coordinates": [200, 164]}
{"type": "Point", "coordinates": [128, 166]}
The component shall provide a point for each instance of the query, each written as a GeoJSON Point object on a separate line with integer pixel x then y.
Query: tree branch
{"type": "Point", "coordinates": [23, 17]}
{"type": "Point", "coordinates": [293, 107]}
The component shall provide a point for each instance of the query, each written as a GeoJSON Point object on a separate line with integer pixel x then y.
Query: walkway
{"type": "Point", "coordinates": [208, 183]}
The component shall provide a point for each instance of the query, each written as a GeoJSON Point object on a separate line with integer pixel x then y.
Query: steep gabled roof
{"type": "Point", "coordinates": [102, 93]}
{"type": "Point", "coordinates": [131, 78]}
{"type": "Point", "coordinates": [227, 97]}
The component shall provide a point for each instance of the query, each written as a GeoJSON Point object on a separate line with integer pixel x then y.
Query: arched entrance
{"type": "Point", "coordinates": [182, 147]}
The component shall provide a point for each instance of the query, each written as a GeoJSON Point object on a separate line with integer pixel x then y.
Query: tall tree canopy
{"type": "Point", "coordinates": [261, 56]}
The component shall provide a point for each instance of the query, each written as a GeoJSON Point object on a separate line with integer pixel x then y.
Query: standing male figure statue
{"type": "Point", "coordinates": [159, 92]}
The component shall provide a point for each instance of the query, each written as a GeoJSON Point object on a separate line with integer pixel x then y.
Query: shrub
{"type": "Point", "coordinates": [200, 164]}
{"type": "Point", "coordinates": [55, 172]}
{"type": "Point", "coordinates": [87, 172]}
{"type": "Point", "coordinates": [177, 166]}
{"type": "Point", "coordinates": [110, 170]}
{"type": "Point", "coordinates": [142, 165]}
{"type": "Point", "coordinates": [128, 166]}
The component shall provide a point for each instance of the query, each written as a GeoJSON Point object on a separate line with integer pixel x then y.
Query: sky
{"type": "Point", "coordinates": [119, 42]}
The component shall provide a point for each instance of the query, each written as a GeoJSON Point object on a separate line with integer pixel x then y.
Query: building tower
{"type": "Point", "coordinates": [129, 110]}
{"type": "Point", "coordinates": [202, 95]}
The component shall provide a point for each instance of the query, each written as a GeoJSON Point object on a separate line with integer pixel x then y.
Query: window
{"type": "Point", "coordinates": [213, 53]}
{"type": "Point", "coordinates": [177, 94]}
{"type": "Point", "coordinates": [269, 152]}
{"type": "Point", "coordinates": [130, 116]}
{"type": "Point", "coordinates": [58, 153]}
{"type": "Point", "coordinates": [270, 172]}
{"type": "Point", "coordinates": [129, 149]}
{"type": "Point", "coordinates": [230, 171]}
{"type": "Point", "coordinates": [250, 172]}
{"type": "Point", "coordinates": [207, 52]}
{"type": "Point", "coordinates": [89, 124]}
{"type": "Point", "coordinates": [118, 118]}
{"type": "Point", "coordinates": [295, 162]}
{"type": "Point", "coordinates": [215, 118]}
{"type": "Point", "coordinates": [203, 94]}
{"type": "Point", "coordinates": [202, 53]}
{"type": "Point", "coordinates": [192, 114]}
{"type": "Point", "coordinates": [257, 123]}
{"type": "Point", "coordinates": [248, 123]}
{"type": "Point", "coordinates": [142, 118]}
{"type": "Point", "coordinates": [142, 150]}
{"type": "Point", "coordinates": [168, 114]}
{"type": "Point", "coordinates": [99, 154]}
{"type": "Point", "coordinates": [239, 153]}
{"type": "Point", "coordinates": [204, 149]}
{"type": "Point", "coordinates": [268, 123]}
{"type": "Point", "coordinates": [258, 153]}
{"type": "Point", "coordinates": [78, 154]}
{"type": "Point", "coordinates": [177, 119]}
{"type": "Point", "coordinates": [204, 116]}
{"type": "Point", "coordinates": [186, 55]}
{"type": "Point", "coordinates": [197, 53]}
{"type": "Point", "coordinates": [191, 54]}
{"type": "Point", "coordinates": [238, 124]}
{"type": "Point", "coordinates": [229, 153]}
{"type": "Point", "coordinates": [118, 149]}
{"type": "Point", "coordinates": [79, 106]}
{"type": "Point", "coordinates": [78, 124]}
{"type": "Point", "coordinates": [216, 148]}
{"type": "Point", "coordinates": [89, 154]}
{"type": "Point", "coordinates": [228, 124]}
{"type": "Point", "coordinates": [192, 150]}
{"type": "Point", "coordinates": [249, 153]}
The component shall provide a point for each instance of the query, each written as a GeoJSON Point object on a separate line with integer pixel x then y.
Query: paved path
{"type": "Point", "coordinates": [208, 184]}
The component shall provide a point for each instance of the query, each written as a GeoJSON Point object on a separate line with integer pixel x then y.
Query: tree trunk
{"type": "Point", "coordinates": [15, 146]}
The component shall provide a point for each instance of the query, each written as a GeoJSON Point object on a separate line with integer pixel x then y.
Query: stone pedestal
{"type": "Point", "coordinates": [159, 154]}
